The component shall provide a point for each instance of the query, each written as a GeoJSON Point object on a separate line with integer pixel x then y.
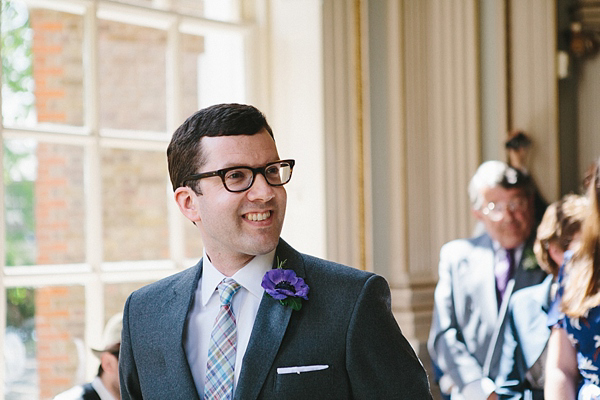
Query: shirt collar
{"type": "Point", "coordinates": [497, 246]}
{"type": "Point", "coordinates": [249, 277]}
{"type": "Point", "coordinates": [517, 254]}
{"type": "Point", "coordinates": [101, 389]}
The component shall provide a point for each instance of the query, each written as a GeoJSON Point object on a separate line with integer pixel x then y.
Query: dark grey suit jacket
{"type": "Point", "coordinates": [346, 324]}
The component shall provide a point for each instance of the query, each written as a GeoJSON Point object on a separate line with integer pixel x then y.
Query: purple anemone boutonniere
{"type": "Point", "coordinates": [284, 285]}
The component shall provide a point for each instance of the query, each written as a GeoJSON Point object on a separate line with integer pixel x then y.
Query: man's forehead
{"type": "Point", "coordinates": [501, 192]}
{"type": "Point", "coordinates": [250, 150]}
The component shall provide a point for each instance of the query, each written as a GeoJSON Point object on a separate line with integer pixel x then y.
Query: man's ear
{"type": "Point", "coordinates": [477, 214]}
{"type": "Point", "coordinates": [187, 200]}
{"type": "Point", "coordinates": [109, 362]}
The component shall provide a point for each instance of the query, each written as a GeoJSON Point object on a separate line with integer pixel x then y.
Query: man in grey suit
{"type": "Point", "coordinates": [477, 277]}
{"type": "Point", "coordinates": [282, 325]}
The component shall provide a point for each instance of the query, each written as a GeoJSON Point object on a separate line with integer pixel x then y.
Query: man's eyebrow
{"type": "Point", "coordinates": [240, 165]}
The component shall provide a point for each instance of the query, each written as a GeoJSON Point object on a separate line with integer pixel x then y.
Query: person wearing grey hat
{"type": "Point", "coordinates": [105, 386]}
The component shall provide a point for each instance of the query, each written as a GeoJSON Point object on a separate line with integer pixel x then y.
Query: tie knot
{"type": "Point", "coordinates": [227, 288]}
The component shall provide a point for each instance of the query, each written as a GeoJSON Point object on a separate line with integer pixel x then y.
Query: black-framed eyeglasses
{"type": "Point", "coordinates": [239, 179]}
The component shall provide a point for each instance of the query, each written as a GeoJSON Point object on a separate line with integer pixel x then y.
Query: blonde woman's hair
{"type": "Point", "coordinates": [582, 288]}
{"type": "Point", "coordinates": [561, 221]}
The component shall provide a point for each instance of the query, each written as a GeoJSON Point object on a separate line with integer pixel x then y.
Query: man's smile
{"type": "Point", "coordinates": [257, 216]}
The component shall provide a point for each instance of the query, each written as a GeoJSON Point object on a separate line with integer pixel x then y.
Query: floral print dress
{"type": "Point", "coordinates": [584, 333]}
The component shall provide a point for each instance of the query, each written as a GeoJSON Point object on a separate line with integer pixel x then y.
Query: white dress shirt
{"type": "Point", "coordinates": [206, 306]}
{"type": "Point", "coordinates": [76, 393]}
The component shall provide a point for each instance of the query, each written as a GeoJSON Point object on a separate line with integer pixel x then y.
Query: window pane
{"type": "Point", "coordinates": [192, 46]}
{"type": "Point", "coordinates": [134, 185]}
{"type": "Point", "coordinates": [221, 70]}
{"type": "Point", "coordinates": [42, 74]}
{"type": "Point", "coordinates": [44, 335]}
{"type": "Point", "coordinates": [44, 215]}
{"type": "Point", "coordinates": [115, 295]}
{"type": "Point", "coordinates": [223, 10]}
{"type": "Point", "coordinates": [132, 74]}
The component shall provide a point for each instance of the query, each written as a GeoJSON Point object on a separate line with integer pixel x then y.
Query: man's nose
{"type": "Point", "coordinates": [260, 189]}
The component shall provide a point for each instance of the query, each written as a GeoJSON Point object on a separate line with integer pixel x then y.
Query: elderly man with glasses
{"type": "Point", "coordinates": [477, 277]}
{"type": "Point", "coordinates": [255, 319]}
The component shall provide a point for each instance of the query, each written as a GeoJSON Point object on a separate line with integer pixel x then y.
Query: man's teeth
{"type": "Point", "coordinates": [258, 216]}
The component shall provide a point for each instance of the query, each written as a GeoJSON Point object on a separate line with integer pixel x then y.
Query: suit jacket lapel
{"type": "Point", "coordinates": [483, 262]}
{"type": "Point", "coordinates": [178, 367]}
{"type": "Point", "coordinates": [520, 279]}
{"type": "Point", "coordinates": [267, 334]}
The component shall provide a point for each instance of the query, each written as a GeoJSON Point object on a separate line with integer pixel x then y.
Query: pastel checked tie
{"type": "Point", "coordinates": [218, 383]}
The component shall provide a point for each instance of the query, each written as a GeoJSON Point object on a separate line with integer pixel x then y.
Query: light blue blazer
{"type": "Point", "coordinates": [525, 339]}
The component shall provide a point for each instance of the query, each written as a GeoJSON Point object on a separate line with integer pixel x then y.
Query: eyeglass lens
{"type": "Point", "coordinates": [496, 210]}
{"type": "Point", "coordinates": [242, 178]}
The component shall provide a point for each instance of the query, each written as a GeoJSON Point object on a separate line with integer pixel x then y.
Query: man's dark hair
{"type": "Point", "coordinates": [185, 155]}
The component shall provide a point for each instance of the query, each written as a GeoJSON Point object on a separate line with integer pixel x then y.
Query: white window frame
{"type": "Point", "coordinates": [94, 273]}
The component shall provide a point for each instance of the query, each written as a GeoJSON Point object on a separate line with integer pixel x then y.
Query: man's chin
{"type": "Point", "coordinates": [511, 243]}
{"type": "Point", "coordinates": [262, 248]}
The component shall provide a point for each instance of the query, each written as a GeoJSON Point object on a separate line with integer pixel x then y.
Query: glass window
{"type": "Point", "coordinates": [132, 77]}
{"type": "Point", "coordinates": [42, 67]}
{"type": "Point", "coordinates": [134, 187]}
{"type": "Point", "coordinates": [191, 48]}
{"type": "Point", "coordinates": [44, 213]}
{"type": "Point", "coordinates": [221, 10]}
{"type": "Point", "coordinates": [115, 295]}
{"type": "Point", "coordinates": [88, 102]}
{"type": "Point", "coordinates": [221, 66]}
{"type": "Point", "coordinates": [44, 337]}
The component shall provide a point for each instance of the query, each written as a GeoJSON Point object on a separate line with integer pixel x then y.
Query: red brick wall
{"type": "Point", "coordinates": [134, 182]}
{"type": "Point", "coordinates": [59, 321]}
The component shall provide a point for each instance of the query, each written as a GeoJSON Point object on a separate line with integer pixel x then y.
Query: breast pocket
{"type": "Point", "coordinates": [302, 383]}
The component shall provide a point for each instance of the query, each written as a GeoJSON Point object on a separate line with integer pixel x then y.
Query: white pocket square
{"type": "Point", "coordinates": [301, 369]}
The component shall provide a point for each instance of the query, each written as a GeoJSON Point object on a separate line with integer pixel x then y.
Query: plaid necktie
{"type": "Point", "coordinates": [504, 271]}
{"type": "Point", "coordinates": [218, 383]}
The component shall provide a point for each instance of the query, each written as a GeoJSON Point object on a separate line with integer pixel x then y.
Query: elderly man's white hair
{"type": "Point", "coordinates": [490, 174]}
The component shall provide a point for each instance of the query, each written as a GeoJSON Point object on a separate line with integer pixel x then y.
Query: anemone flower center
{"type": "Point", "coordinates": [285, 285]}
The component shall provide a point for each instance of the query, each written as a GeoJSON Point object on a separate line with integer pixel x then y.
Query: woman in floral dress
{"type": "Point", "coordinates": [573, 363]}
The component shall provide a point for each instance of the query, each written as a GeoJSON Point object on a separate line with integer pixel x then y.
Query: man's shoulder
{"type": "Point", "coordinates": [466, 245]}
{"type": "Point", "coordinates": [536, 294]}
{"type": "Point", "coordinates": [314, 264]}
{"type": "Point", "coordinates": [182, 279]}
{"type": "Point", "coordinates": [320, 272]}
{"type": "Point", "coordinates": [326, 269]}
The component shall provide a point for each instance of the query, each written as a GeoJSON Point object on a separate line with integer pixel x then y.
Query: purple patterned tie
{"type": "Point", "coordinates": [503, 272]}
{"type": "Point", "coordinates": [220, 365]}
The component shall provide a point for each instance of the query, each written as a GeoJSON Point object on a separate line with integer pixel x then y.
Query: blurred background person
{"type": "Point", "coordinates": [105, 386]}
{"type": "Point", "coordinates": [477, 277]}
{"type": "Point", "coordinates": [573, 365]}
{"type": "Point", "coordinates": [518, 148]}
{"type": "Point", "coordinates": [526, 335]}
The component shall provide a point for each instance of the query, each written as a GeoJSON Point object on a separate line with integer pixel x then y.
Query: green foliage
{"type": "Point", "coordinates": [17, 78]}
{"type": "Point", "coordinates": [19, 214]}
{"type": "Point", "coordinates": [17, 56]}
{"type": "Point", "coordinates": [21, 306]}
